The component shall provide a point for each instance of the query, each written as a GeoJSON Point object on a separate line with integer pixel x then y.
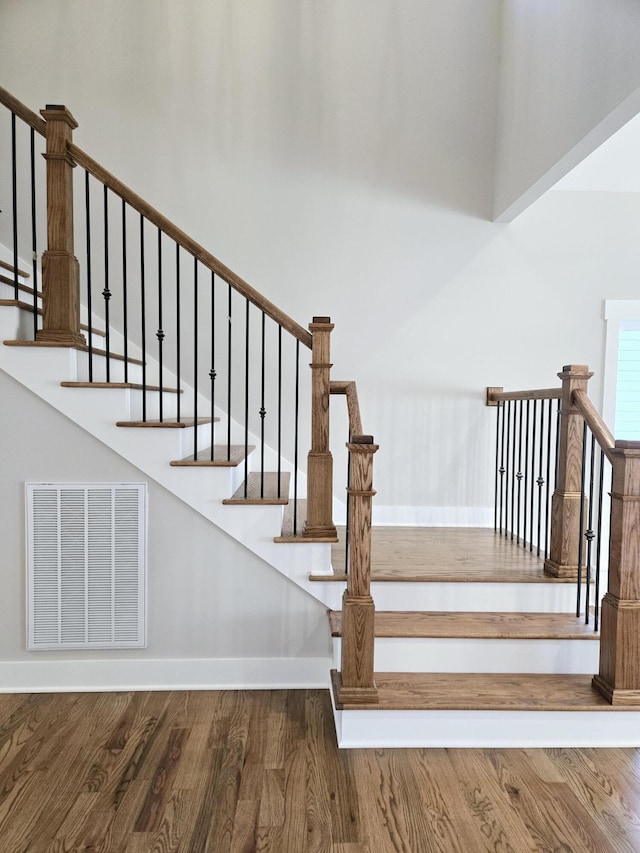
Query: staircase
{"type": "Point", "coordinates": [474, 638]}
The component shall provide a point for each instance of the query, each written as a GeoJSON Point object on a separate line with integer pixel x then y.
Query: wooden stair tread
{"type": "Point", "coordinates": [132, 385]}
{"type": "Point", "coordinates": [222, 457]}
{"type": "Point", "coordinates": [442, 624]}
{"type": "Point", "coordinates": [182, 424]}
{"type": "Point", "coordinates": [26, 306]}
{"type": "Point", "coordinates": [80, 347]}
{"type": "Point", "coordinates": [5, 265]}
{"type": "Point", "coordinates": [269, 492]}
{"type": "Point", "coordinates": [287, 534]}
{"type": "Point", "coordinates": [464, 691]}
{"type": "Point", "coordinates": [445, 555]}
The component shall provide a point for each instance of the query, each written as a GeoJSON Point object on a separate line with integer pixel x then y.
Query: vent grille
{"type": "Point", "coordinates": [86, 565]}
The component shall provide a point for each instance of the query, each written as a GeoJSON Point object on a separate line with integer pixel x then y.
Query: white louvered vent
{"type": "Point", "coordinates": [86, 565]}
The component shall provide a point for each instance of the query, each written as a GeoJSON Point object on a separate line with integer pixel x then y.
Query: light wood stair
{"type": "Point", "coordinates": [272, 489]}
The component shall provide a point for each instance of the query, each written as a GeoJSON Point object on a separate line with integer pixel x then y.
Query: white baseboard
{"type": "Point", "coordinates": [55, 676]}
{"type": "Point", "coordinates": [432, 516]}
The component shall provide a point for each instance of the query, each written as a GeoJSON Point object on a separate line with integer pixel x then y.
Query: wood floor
{"type": "Point", "coordinates": [259, 771]}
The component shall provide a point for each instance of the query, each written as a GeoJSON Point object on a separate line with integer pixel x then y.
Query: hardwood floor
{"type": "Point", "coordinates": [259, 771]}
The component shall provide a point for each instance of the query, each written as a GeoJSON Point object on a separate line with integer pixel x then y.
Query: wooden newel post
{"type": "Point", "coordinates": [619, 677]}
{"type": "Point", "coordinates": [565, 502]}
{"type": "Point", "coordinates": [320, 460]}
{"type": "Point", "coordinates": [355, 682]}
{"type": "Point", "coordinates": [60, 279]}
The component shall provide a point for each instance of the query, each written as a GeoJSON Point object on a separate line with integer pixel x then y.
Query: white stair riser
{"type": "Point", "coordinates": [482, 655]}
{"type": "Point", "coordinates": [478, 597]}
{"type": "Point", "coordinates": [487, 729]}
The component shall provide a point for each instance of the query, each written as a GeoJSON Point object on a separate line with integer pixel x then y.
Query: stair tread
{"type": "Point", "coordinates": [445, 555]}
{"type": "Point", "coordinates": [10, 267]}
{"type": "Point", "coordinates": [80, 347]}
{"type": "Point", "coordinates": [26, 306]}
{"type": "Point", "coordinates": [222, 457]}
{"type": "Point", "coordinates": [443, 624]}
{"type": "Point", "coordinates": [132, 385]}
{"type": "Point", "coordinates": [181, 424]}
{"type": "Point", "coordinates": [269, 492]}
{"type": "Point", "coordinates": [464, 691]}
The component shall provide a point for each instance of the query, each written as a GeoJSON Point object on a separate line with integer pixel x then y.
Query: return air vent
{"type": "Point", "coordinates": [86, 565]}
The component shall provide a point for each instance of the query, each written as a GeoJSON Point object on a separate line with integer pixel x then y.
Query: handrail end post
{"type": "Point", "coordinates": [492, 390]}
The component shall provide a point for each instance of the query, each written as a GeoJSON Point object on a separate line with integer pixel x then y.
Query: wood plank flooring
{"type": "Point", "coordinates": [445, 554]}
{"type": "Point", "coordinates": [259, 771]}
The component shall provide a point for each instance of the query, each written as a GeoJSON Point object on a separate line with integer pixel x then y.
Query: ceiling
{"type": "Point", "coordinates": [613, 167]}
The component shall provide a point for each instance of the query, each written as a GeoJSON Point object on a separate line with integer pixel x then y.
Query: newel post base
{"type": "Point", "coordinates": [356, 682]}
{"type": "Point", "coordinates": [619, 677]}
{"type": "Point", "coordinates": [320, 459]}
{"type": "Point", "coordinates": [565, 501]}
{"type": "Point", "coordinates": [60, 276]}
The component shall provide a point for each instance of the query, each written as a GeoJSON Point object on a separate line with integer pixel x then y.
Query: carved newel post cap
{"type": "Point", "coordinates": [578, 371]}
{"type": "Point", "coordinates": [58, 112]}
{"type": "Point", "coordinates": [321, 319]}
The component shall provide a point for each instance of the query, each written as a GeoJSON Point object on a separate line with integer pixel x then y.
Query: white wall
{"type": "Point", "coordinates": [340, 157]}
{"type": "Point", "coordinates": [217, 614]}
{"type": "Point", "coordinates": [570, 77]}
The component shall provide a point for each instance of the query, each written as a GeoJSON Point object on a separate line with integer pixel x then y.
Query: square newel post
{"type": "Point", "coordinates": [619, 677]}
{"type": "Point", "coordinates": [320, 460]}
{"type": "Point", "coordinates": [565, 501]}
{"type": "Point", "coordinates": [60, 278]}
{"type": "Point", "coordinates": [356, 683]}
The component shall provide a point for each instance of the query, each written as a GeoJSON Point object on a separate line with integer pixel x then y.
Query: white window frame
{"type": "Point", "coordinates": [618, 314]}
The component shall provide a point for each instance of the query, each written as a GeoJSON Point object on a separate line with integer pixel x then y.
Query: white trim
{"type": "Point", "coordinates": [60, 676]}
{"type": "Point", "coordinates": [476, 729]}
{"type": "Point", "coordinates": [432, 516]}
{"type": "Point", "coordinates": [616, 313]}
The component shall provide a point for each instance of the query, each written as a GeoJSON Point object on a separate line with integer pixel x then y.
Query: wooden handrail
{"type": "Point", "coordinates": [497, 395]}
{"type": "Point", "coordinates": [595, 423]}
{"type": "Point", "coordinates": [350, 390]}
{"type": "Point", "coordinates": [23, 112]}
{"type": "Point", "coordinates": [190, 245]}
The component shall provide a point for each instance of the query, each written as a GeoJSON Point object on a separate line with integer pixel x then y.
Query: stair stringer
{"type": "Point", "coordinates": [41, 369]}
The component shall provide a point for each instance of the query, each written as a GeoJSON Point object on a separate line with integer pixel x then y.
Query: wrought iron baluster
{"type": "Point", "coordinates": [279, 408]}
{"type": "Point", "coordinates": [212, 370]}
{"type": "Point", "coordinates": [263, 411]}
{"type": "Point", "coordinates": [497, 467]}
{"type": "Point", "coordinates": [596, 613]}
{"type": "Point", "coordinates": [14, 205]}
{"type": "Point", "coordinates": [87, 204]}
{"type": "Point", "coordinates": [526, 472]}
{"type": "Point", "coordinates": [547, 507]}
{"type": "Point", "coordinates": [519, 474]}
{"type": "Point", "coordinates": [581, 533]}
{"type": "Point", "coordinates": [589, 534]}
{"type": "Point", "coordinates": [106, 293]}
{"type": "Point", "coordinates": [160, 333]}
{"type": "Point", "coordinates": [501, 469]}
{"type": "Point", "coordinates": [246, 392]}
{"type": "Point", "coordinates": [229, 408]}
{"type": "Point", "coordinates": [534, 423]}
{"type": "Point", "coordinates": [195, 359]}
{"type": "Point", "coordinates": [540, 480]}
{"type": "Point", "coordinates": [143, 313]}
{"type": "Point", "coordinates": [507, 472]}
{"type": "Point", "coordinates": [125, 301]}
{"type": "Point", "coordinates": [34, 239]}
{"type": "Point", "coordinates": [178, 343]}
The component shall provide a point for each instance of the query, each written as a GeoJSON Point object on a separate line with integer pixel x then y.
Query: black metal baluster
{"type": "Point", "coordinates": [14, 205]}
{"type": "Point", "coordinates": [557, 457]}
{"type": "Point", "coordinates": [534, 423]}
{"type": "Point", "coordinates": [195, 359]}
{"type": "Point", "coordinates": [279, 407]}
{"type": "Point", "coordinates": [540, 480]}
{"type": "Point", "coordinates": [547, 506]}
{"type": "Point", "coordinates": [106, 293]}
{"type": "Point", "coordinates": [507, 472]}
{"type": "Point", "coordinates": [596, 609]}
{"type": "Point", "coordinates": [125, 302]}
{"type": "Point", "coordinates": [581, 533]}
{"type": "Point", "coordinates": [160, 333]}
{"type": "Point", "coordinates": [229, 324]}
{"type": "Point", "coordinates": [87, 204]}
{"type": "Point", "coordinates": [590, 534]}
{"type": "Point", "coordinates": [143, 320]}
{"type": "Point", "coordinates": [295, 441]}
{"type": "Point", "coordinates": [512, 468]}
{"type": "Point", "coordinates": [519, 474]}
{"type": "Point", "coordinates": [179, 394]}
{"type": "Point", "coordinates": [497, 465]}
{"type": "Point", "coordinates": [501, 470]}
{"type": "Point", "coordinates": [263, 411]}
{"type": "Point", "coordinates": [212, 371]}
{"type": "Point", "coordinates": [526, 473]}
{"type": "Point", "coordinates": [347, 530]}
{"type": "Point", "coordinates": [34, 239]}
{"type": "Point", "coordinates": [246, 392]}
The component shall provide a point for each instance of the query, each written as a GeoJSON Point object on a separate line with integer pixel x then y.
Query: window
{"type": "Point", "coordinates": [621, 407]}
